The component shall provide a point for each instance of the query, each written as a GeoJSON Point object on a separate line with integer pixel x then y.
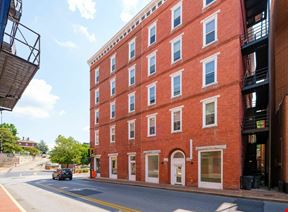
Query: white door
{"type": "Point", "coordinates": [97, 167]}
{"type": "Point", "coordinates": [178, 168]}
{"type": "Point", "coordinates": [113, 167]}
{"type": "Point", "coordinates": [210, 173]}
{"type": "Point", "coordinates": [152, 168]}
{"type": "Point", "coordinates": [132, 167]}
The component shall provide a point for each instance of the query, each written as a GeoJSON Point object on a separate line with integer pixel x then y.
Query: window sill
{"type": "Point", "coordinates": [131, 139]}
{"type": "Point", "coordinates": [209, 44]}
{"type": "Point", "coordinates": [176, 97]}
{"type": "Point", "coordinates": [151, 136]}
{"type": "Point", "coordinates": [209, 126]}
{"type": "Point", "coordinates": [131, 59]}
{"type": "Point", "coordinates": [205, 7]}
{"type": "Point", "coordinates": [150, 45]}
{"type": "Point", "coordinates": [177, 61]}
{"type": "Point", "coordinates": [173, 29]}
{"type": "Point", "coordinates": [209, 85]}
{"type": "Point", "coordinates": [176, 132]}
{"type": "Point", "coordinates": [151, 75]}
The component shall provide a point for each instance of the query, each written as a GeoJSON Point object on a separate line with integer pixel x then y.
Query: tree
{"type": "Point", "coordinates": [43, 147]}
{"type": "Point", "coordinates": [11, 127]}
{"type": "Point", "coordinates": [66, 151]}
{"type": "Point", "coordinates": [32, 151]}
{"type": "Point", "coordinates": [84, 154]}
{"type": "Point", "coordinates": [8, 141]}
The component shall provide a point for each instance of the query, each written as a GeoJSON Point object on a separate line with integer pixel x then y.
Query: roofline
{"type": "Point", "coordinates": [125, 29]}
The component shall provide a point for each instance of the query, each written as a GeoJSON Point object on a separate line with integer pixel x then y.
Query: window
{"type": "Point", "coordinates": [152, 34]}
{"type": "Point", "coordinates": [131, 129]}
{"type": "Point", "coordinates": [112, 87]}
{"type": "Point", "coordinates": [210, 112]}
{"type": "Point", "coordinates": [113, 166]}
{"type": "Point", "coordinates": [151, 94]}
{"type": "Point", "coordinates": [132, 75]}
{"type": "Point", "coordinates": [97, 96]}
{"type": "Point", "coordinates": [176, 15]}
{"type": "Point", "coordinates": [151, 123]}
{"type": "Point", "coordinates": [112, 110]}
{"type": "Point", "coordinates": [112, 134]}
{"type": "Point", "coordinates": [176, 49]}
{"type": "Point", "coordinates": [151, 63]}
{"type": "Point", "coordinates": [206, 3]}
{"type": "Point", "coordinates": [210, 70]}
{"type": "Point", "coordinates": [97, 116]}
{"type": "Point", "coordinates": [176, 119]}
{"type": "Point", "coordinates": [113, 63]}
{"type": "Point", "coordinates": [132, 167]}
{"type": "Point", "coordinates": [152, 168]}
{"type": "Point", "coordinates": [131, 102]}
{"type": "Point", "coordinates": [210, 30]}
{"type": "Point", "coordinates": [96, 137]}
{"type": "Point", "coordinates": [97, 166]}
{"type": "Point", "coordinates": [96, 75]}
{"type": "Point", "coordinates": [176, 84]}
{"type": "Point", "coordinates": [132, 49]}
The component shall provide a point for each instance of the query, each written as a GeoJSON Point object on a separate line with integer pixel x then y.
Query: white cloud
{"type": "Point", "coordinates": [37, 100]}
{"type": "Point", "coordinates": [82, 30]}
{"type": "Point", "coordinates": [62, 113]}
{"type": "Point", "coordinates": [131, 8]}
{"type": "Point", "coordinates": [66, 44]}
{"type": "Point", "coordinates": [86, 128]}
{"type": "Point", "coordinates": [87, 8]}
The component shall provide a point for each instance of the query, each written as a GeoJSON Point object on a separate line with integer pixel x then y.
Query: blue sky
{"type": "Point", "coordinates": [57, 100]}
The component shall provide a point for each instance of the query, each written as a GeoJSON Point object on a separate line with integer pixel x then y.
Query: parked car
{"type": "Point", "coordinates": [62, 174]}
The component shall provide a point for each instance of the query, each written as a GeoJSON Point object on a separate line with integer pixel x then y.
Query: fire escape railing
{"type": "Point", "coordinates": [255, 77]}
{"type": "Point", "coordinates": [255, 33]}
{"type": "Point", "coordinates": [256, 120]}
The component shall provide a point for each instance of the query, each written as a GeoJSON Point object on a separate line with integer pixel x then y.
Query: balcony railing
{"type": "Point", "coordinates": [256, 33]}
{"type": "Point", "coordinates": [256, 78]}
{"type": "Point", "coordinates": [15, 11]}
{"type": "Point", "coordinates": [256, 120]}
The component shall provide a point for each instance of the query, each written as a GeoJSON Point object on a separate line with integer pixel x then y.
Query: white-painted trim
{"type": "Point", "coordinates": [152, 116]}
{"type": "Point", "coordinates": [97, 140]}
{"type": "Point", "coordinates": [214, 16]}
{"type": "Point", "coordinates": [207, 184]}
{"type": "Point", "coordinates": [97, 70]}
{"type": "Point", "coordinates": [215, 147]}
{"type": "Point", "coordinates": [111, 64]}
{"type": "Point", "coordinates": [130, 69]}
{"type": "Point", "coordinates": [176, 6]}
{"type": "Point", "coordinates": [172, 76]}
{"type": "Point", "coordinates": [111, 104]}
{"type": "Point", "coordinates": [129, 128]}
{"type": "Point", "coordinates": [207, 5]}
{"type": "Point", "coordinates": [111, 82]}
{"type": "Point", "coordinates": [175, 162]}
{"type": "Point", "coordinates": [204, 103]}
{"type": "Point", "coordinates": [148, 93]}
{"type": "Point", "coordinates": [97, 156]}
{"type": "Point", "coordinates": [131, 177]}
{"type": "Point", "coordinates": [154, 24]}
{"type": "Point", "coordinates": [204, 63]}
{"type": "Point", "coordinates": [147, 178]}
{"type": "Point", "coordinates": [97, 111]}
{"type": "Point", "coordinates": [97, 91]}
{"type": "Point", "coordinates": [174, 110]}
{"type": "Point", "coordinates": [129, 102]}
{"type": "Point", "coordinates": [151, 152]}
{"type": "Point", "coordinates": [149, 57]}
{"type": "Point", "coordinates": [111, 128]}
{"type": "Point", "coordinates": [131, 153]}
{"type": "Point", "coordinates": [129, 47]}
{"type": "Point", "coordinates": [172, 42]}
{"type": "Point", "coordinates": [114, 155]}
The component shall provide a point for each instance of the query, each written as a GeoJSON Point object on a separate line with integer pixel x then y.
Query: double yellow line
{"type": "Point", "coordinates": [90, 199]}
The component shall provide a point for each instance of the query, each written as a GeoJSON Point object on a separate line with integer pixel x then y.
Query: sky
{"type": "Point", "coordinates": [56, 101]}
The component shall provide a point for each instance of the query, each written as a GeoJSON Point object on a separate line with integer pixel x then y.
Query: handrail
{"type": "Point", "coordinates": [256, 120]}
{"type": "Point", "coordinates": [255, 77]}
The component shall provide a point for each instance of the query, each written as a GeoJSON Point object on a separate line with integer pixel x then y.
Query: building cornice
{"type": "Point", "coordinates": [126, 30]}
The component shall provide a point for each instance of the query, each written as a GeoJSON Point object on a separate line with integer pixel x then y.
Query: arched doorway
{"type": "Point", "coordinates": [177, 168]}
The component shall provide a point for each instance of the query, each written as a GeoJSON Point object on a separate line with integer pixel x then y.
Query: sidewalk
{"type": "Point", "coordinates": [8, 203]}
{"type": "Point", "coordinates": [257, 194]}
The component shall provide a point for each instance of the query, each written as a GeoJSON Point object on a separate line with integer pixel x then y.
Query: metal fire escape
{"type": "Point", "coordinates": [255, 90]}
{"type": "Point", "coordinates": [19, 54]}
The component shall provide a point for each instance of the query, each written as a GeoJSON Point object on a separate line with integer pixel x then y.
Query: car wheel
{"type": "Point", "coordinates": [70, 178]}
{"type": "Point", "coordinates": [53, 178]}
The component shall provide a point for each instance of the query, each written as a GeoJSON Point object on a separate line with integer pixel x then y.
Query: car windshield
{"type": "Point", "coordinates": [66, 170]}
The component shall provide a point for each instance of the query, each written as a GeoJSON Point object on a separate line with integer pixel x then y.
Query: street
{"type": "Point", "coordinates": [36, 191]}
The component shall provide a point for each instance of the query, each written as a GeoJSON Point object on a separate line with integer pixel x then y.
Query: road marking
{"type": "Point", "coordinates": [97, 201]}
{"type": "Point", "coordinates": [12, 198]}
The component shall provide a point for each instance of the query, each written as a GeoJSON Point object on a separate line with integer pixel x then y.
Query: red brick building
{"type": "Point", "coordinates": [167, 103]}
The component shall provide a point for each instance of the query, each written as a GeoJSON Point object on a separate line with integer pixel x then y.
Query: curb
{"type": "Point", "coordinates": [185, 189]}
{"type": "Point", "coordinates": [13, 199]}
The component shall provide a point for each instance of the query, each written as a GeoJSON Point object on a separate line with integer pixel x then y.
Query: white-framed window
{"type": "Point", "coordinates": [210, 34]}
{"type": "Point", "coordinates": [176, 49]}
{"type": "Point", "coordinates": [152, 94]}
{"type": "Point", "coordinates": [112, 110]}
{"type": "Point", "coordinates": [151, 63]}
{"type": "Point", "coordinates": [152, 168]}
{"type": "Point", "coordinates": [112, 134]}
{"type": "Point", "coordinates": [113, 63]}
{"type": "Point", "coordinates": [176, 84]}
{"type": "Point", "coordinates": [131, 102]}
{"type": "Point", "coordinates": [97, 75]}
{"type": "Point", "coordinates": [112, 87]}
{"type": "Point", "coordinates": [97, 95]}
{"type": "Point", "coordinates": [210, 112]}
{"type": "Point", "coordinates": [209, 70]}
{"type": "Point", "coordinates": [96, 137]}
{"type": "Point", "coordinates": [132, 166]}
{"type": "Point", "coordinates": [131, 129]}
{"type": "Point", "coordinates": [97, 116]}
{"type": "Point", "coordinates": [176, 15]}
{"type": "Point", "coordinates": [132, 49]}
{"type": "Point", "coordinates": [152, 34]}
{"type": "Point", "coordinates": [151, 125]}
{"type": "Point", "coordinates": [176, 119]}
{"type": "Point", "coordinates": [113, 166]}
{"type": "Point", "coordinates": [207, 3]}
{"type": "Point", "coordinates": [132, 75]}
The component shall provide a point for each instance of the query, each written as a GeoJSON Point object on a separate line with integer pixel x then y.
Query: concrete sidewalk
{"type": "Point", "coordinates": [8, 203]}
{"type": "Point", "coordinates": [256, 194]}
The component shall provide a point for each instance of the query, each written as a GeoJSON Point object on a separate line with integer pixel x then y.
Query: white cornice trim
{"type": "Point", "coordinates": [127, 29]}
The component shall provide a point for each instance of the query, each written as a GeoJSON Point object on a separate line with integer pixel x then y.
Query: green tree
{"type": "Point", "coordinates": [8, 141]}
{"type": "Point", "coordinates": [11, 127]}
{"type": "Point", "coordinates": [84, 154]}
{"type": "Point", "coordinates": [32, 151]}
{"type": "Point", "coordinates": [66, 151]}
{"type": "Point", "coordinates": [43, 147]}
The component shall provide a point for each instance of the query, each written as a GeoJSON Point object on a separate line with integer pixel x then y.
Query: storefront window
{"type": "Point", "coordinates": [211, 167]}
{"type": "Point", "coordinates": [153, 166]}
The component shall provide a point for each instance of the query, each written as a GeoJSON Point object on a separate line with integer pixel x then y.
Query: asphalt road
{"type": "Point", "coordinates": [36, 191]}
